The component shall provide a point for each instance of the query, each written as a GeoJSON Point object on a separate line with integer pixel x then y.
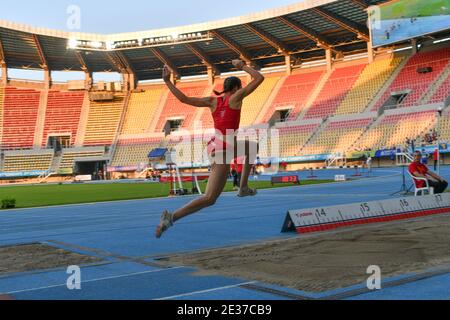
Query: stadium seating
{"type": "Point", "coordinates": [62, 114]}
{"type": "Point", "coordinates": [252, 105]}
{"type": "Point", "coordinates": [368, 85]}
{"type": "Point", "coordinates": [130, 152]}
{"type": "Point", "coordinates": [199, 146]}
{"type": "Point", "coordinates": [182, 144]}
{"type": "Point", "coordinates": [334, 91]}
{"type": "Point", "coordinates": [191, 147]}
{"type": "Point", "coordinates": [392, 130]}
{"type": "Point", "coordinates": [443, 127]}
{"type": "Point", "coordinates": [174, 109]}
{"type": "Point", "coordinates": [2, 97]}
{"type": "Point", "coordinates": [27, 160]}
{"type": "Point", "coordinates": [141, 110]}
{"type": "Point", "coordinates": [20, 111]}
{"type": "Point", "coordinates": [418, 83]}
{"type": "Point", "coordinates": [69, 156]}
{"type": "Point", "coordinates": [103, 122]}
{"type": "Point", "coordinates": [442, 93]}
{"type": "Point", "coordinates": [294, 94]}
{"type": "Point", "coordinates": [293, 137]}
{"type": "Point", "coordinates": [342, 101]}
{"type": "Point", "coordinates": [338, 136]}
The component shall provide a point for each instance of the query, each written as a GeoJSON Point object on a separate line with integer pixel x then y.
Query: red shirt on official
{"type": "Point", "coordinates": [420, 168]}
{"type": "Point", "coordinates": [237, 165]}
{"type": "Point", "coordinates": [435, 155]}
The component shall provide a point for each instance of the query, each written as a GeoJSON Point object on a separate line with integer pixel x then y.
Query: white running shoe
{"type": "Point", "coordinates": [166, 223]}
{"type": "Point", "coordinates": [247, 193]}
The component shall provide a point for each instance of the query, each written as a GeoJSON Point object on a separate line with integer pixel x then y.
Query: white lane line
{"type": "Point", "coordinates": [99, 279]}
{"type": "Point", "coordinates": [205, 291]}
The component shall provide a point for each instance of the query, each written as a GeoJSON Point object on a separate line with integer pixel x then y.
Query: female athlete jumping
{"type": "Point", "coordinates": [223, 148]}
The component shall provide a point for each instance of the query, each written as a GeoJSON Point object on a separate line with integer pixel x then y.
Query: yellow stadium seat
{"type": "Point", "coordinates": [141, 110]}
{"type": "Point", "coordinates": [103, 122]}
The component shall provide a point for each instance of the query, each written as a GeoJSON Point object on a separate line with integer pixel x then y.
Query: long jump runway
{"type": "Point", "coordinates": [121, 236]}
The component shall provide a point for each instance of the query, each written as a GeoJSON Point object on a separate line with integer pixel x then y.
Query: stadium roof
{"type": "Point", "coordinates": [302, 31]}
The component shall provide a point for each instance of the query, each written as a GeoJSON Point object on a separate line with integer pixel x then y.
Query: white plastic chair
{"type": "Point", "coordinates": [427, 188]}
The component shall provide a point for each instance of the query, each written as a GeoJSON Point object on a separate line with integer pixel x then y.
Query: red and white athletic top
{"type": "Point", "coordinates": [225, 119]}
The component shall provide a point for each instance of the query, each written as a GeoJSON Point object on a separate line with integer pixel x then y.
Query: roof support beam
{"type": "Point", "coordinates": [242, 52]}
{"type": "Point", "coordinates": [2, 54]}
{"type": "Point", "coordinates": [3, 65]}
{"type": "Point", "coordinates": [321, 41]}
{"type": "Point", "coordinates": [124, 61]}
{"type": "Point", "coordinates": [274, 42]}
{"type": "Point", "coordinates": [345, 23]}
{"type": "Point", "coordinates": [203, 56]}
{"type": "Point", "coordinates": [88, 81]}
{"type": "Point", "coordinates": [82, 62]}
{"type": "Point", "coordinates": [329, 59]}
{"type": "Point", "coordinates": [362, 3]}
{"type": "Point", "coordinates": [121, 63]}
{"type": "Point", "coordinates": [370, 51]}
{"type": "Point", "coordinates": [167, 61]}
{"type": "Point", "coordinates": [4, 80]}
{"type": "Point", "coordinates": [131, 79]}
{"type": "Point", "coordinates": [288, 63]}
{"type": "Point", "coordinates": [44, 64]}
{"type": "Point", "coordinates": [117, 64]}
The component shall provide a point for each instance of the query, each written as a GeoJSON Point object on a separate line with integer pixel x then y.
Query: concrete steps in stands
{"type": "Point", "coordinates": [387, 84]}
{"type": "Point", "coordinates": [40, 121]}
{"type": "Point", "coordinates": [270, 100]}
{"type": "Point", "coordinates": [55, 163]}
{"type": "Point", "coordinates": [435, 85]}
{"type": "Point", "coordinates": [158, 112]}
{"type": "Point", "coordinates": [315, 93]}
{"type": "Point", "coordinates": [83, 120]}
{"type": "Point", "coordinates": [126, 102]}
{"type": "Point", "coordinates": [314, 136]}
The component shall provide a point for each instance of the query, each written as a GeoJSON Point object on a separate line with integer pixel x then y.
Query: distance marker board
{"type": "Point", "coordinates": [333, 217]}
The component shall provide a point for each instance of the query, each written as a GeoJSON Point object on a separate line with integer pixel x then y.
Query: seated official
{"type": "Point", "coordinates": [420, 170]}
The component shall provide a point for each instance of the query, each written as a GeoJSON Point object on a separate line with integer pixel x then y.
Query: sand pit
{"type": "Point", "coordinates": [32, 257]}
{"type": "Point", "coordinates": [316, 263]}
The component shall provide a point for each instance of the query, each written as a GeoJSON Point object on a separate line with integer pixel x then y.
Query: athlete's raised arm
{"type": "Point", "coordinates": [257, 79]}
{"type": "Point", "coordinates": [196, 102]}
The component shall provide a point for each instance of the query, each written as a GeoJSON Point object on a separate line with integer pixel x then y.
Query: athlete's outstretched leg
{"type": "Point", "coordinates": [251, 150]}
{"type": "Point", "coordinates": [216, 184]}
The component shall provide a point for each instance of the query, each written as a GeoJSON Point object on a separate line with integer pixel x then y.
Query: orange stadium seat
{"type": "Point", "coordinates": [294, 94]}
{"type": "Point", "coordinates": [368, 85]}
{"type": "Point", "coordinates": [334, 91]}
{"type": "Point", "coordinates": [62, 114]}
{"type": "Point", "coordinates": [174, 109]}
{"type": "Point", "coordinates": [442, 93]}
{"type": "Point", "coordinates": [417, 83]}
{"type": "Point", "coordinates": [20, 111]}
{"type": "Point", "coordinates": [392, 130]}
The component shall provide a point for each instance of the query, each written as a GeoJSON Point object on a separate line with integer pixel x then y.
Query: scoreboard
{"type": "Point", "coordinates": [285, 179]}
